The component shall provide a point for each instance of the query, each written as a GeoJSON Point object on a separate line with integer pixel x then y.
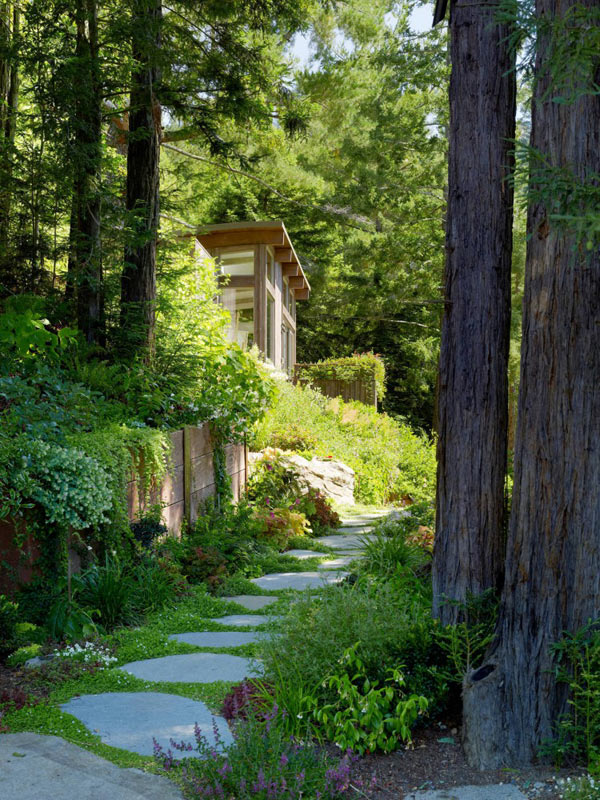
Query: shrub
{"type": "Point", "coordinates": [365, 716]}
{"type": "Point", "coordinates": [279, 525]}
{"type": "Point", "coordinates": [367, 367]}
{"type": "Point", "coordinates": [23, 654]}
{"type": "Point", "coordinates": [9, 618]}
{"type": "Point", "coordinates": [390, 460]}
{"type": "Point", "coordinates": [110, 590]}
{"type": "Point", "coordinates": [319, 512]}
{"type": "Point", "coordinates": [273, 482]}
{"type": "Point", "coordinates": [247, 699]}
{"type": "Point", "coordinates": [148, 528]}
{"type": "Point", "coordinates": [262, 764]}
{"type": "Point", "coordinates": [393, 626]}
{"type": "Point", "coordinates": [383, 555]}
{"type": "Point", "coordinates": [293, 437]}
{"type": "Point", "coordinates": [578, 666]}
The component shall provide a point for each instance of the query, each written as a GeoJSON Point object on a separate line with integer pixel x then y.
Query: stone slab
{"type": "Point", "coordinates": [299, 580]}
{"type": "Point", "coordinates": [302, 554]}
{"type": "Point", "coordinates": [217, 638]}
{"type": "Point", "coordinates": [191, 668]}
{"type": "Point", "coordinates": [343, 542]}
{"type": "Point", "coordinates": [35, 767]}
{"type": "Point", "coordinates": [130, 720]}
{"type": "Point", "coordinates": [498, 791]}
{"type": "Point", "coordinates": [253, 602]}
{"type": "Point", "coordinates": [239, 620]}
{"type": "Point", "coordinates": [337, 563]}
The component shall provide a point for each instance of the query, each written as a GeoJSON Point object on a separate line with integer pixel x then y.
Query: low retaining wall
{"type": "Point", "coordinates": [191, 481]}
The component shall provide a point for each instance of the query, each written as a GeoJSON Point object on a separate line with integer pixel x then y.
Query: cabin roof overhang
{"type": "Point", "coordinates": [238, 234]}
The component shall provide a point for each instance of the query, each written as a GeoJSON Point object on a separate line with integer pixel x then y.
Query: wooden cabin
{"type": "Point", "coordinates": [262, 282]}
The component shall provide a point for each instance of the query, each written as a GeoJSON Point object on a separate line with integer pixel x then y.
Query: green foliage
{"type": "Point", "coordinates": [23, 654]}
{"type": "Point", "coordinates": [365, 716]}
{"type": "Point", "coordinates": [584, 788]}
{"type": "Point", "coordinates": [466, 642]}
{"type": "Point", "coordinates": [273, 482]}
{"type": "Point", "coordinates": [69, 621]}
{"type": "Point", "coordinates": [9, 617]}
{"type": "Point", "coordinates": [384, 555]}
{"type": "Point", "coordinates": [262, 763]}
{"type": "Point", "coordinates": [577, 659]}
{"type": "Point", "coordinates": [318, 511]}
{"type": "Point", "coordinates": [365, 367]}
{"type": "Point", "coordinates": [108, 588]}
{"type": "Point", "coordinates": [391, 462]}
{"type": "Point", "coordinates": [22, 335]}
{"type": "Point", "coordinates": [279, 525]}
{"type": "Point", "coordinates": [392, 623]}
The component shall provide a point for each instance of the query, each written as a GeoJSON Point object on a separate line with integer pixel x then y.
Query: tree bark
{"type": "Point", "coordinates": [472, 390]}
{"type": "Point", "coordinates": [84, 276]}
{"type": "Point", "coordinates": [9, 94]}
{"type": "Point", "coordinates": [138, 282]}
{"type": "Point", "coordinates": [552, 580]}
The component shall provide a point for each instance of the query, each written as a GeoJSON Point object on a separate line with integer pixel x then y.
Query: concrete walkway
{"type": "Point", "coordinates": [34, 767]}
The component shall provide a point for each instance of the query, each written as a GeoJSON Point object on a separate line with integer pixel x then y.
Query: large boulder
{"type": "Point", "coordinates": [333, 478]}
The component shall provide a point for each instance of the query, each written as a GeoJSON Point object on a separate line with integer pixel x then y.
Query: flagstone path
{"type": "Point", "coordinates": [130, 720]}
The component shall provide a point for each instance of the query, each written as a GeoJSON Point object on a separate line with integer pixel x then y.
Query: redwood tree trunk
{"type": "Point", "coordinates": [552, 580]}
{"type": "Point", "coordinates": [138, 283]}
{"type": "Point", "coordinates": [473, 389]}
{"type": "Point", "coordinates": [85, 252]}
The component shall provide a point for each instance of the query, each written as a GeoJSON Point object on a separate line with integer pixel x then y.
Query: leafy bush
{"type": "Point", "coordinates": [365, 716]}
{"type": "Point", "coordinates": [384, 555]}
{"type": "Point", "coordinates": [279, 525]}
{"type": "Point", "coordinates": [466, 642]}
{"type": "Point", "coordinates": [319, 512]}
{"type": "Point", "coordinates": [391, 461]}
{"type": "Point", "coordinates": [262, 764]}
{"type": "Point", "coordinates": [23, 654]}
{"type": "Point", "coordinates": [9, 617]}
{"type": "Point", "coordinates": [578, 666]}
{"type": "Point", "coordinates": [247, 699]}
{"type": "Point", "coordinates": [392, 623]}
{"type": "Point", "coordinates": [294, 437]}
{"type": "Point", "coordinates": [273, 482]}
{"type": "Point", "coordinates": [367, 367]}
{"type": "Point", "coordinates": [148, 527]}
{"type": "Point", "coordinates": [110, 590]}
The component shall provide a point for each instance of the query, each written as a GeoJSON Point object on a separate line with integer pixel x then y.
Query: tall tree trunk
{"type": "Point", "coordinates": [9, 94]}
{"type": "Point", "coordinates": [553, 555]}
{"type": "Point", "coordinates": [472, 389]}
{"type": "Point", "coordinates": [138, 282]}
{"type": "Point", "coordinates": [85, 253]}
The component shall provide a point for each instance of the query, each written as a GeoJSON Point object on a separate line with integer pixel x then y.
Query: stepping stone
{"type": "Point", "coordinates": [298, 580]}
{"type": "Point", "coordinates": [253, 602]}
{"type": "Point", "coordinates": [343, 542]}
{"type": "Point", "coordinates": [34, 766]}
{"type": "Point", "coordinates": [302, 554]}
{"type": "Point", "coordinates": [217, 638]}
{"type": "Point", "coordinates": [191, 668]}
{"type": "Point", "coordinates": [337, 563]}
{"type": "Point", "coordinates": [129, 720]}
{"type": "Point", "coordinates": [238, 620]}
{"type": "Point", "coordinates": [504, 791]}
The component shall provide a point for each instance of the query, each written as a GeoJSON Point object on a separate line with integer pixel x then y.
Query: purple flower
{"type": "Point", "coordinates": [283, 760]}
{"type": "Point", "coordinates": [267, 501]}
{"type": "Point", "coordinates": [269, 467]}
{"type": "Point", "coordinates": [272, 515]}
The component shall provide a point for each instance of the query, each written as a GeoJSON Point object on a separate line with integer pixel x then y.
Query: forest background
{"type": "Point", "coordinates": [348, 148]}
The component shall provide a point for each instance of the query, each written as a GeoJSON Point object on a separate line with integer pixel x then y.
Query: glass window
{"type": "Point", "coordinates": [270, 351]}
{"type": "Point", "coordinates": [240, 304]}
{"type": "Point", "coordinates": [270, 267]}
{"type": "Point", "coordinates": [236, 262]}
{"type": "Point", "coordinates": [286, 293]}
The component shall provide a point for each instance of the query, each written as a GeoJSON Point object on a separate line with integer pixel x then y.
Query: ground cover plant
{"type": "Point", "coordinates": [263, 763]}
{"type": "Point", "coordinates": [391, 461]}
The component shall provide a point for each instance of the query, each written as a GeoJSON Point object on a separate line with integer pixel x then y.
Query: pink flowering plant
{"type": "Point", "coordinates": [263, 763]}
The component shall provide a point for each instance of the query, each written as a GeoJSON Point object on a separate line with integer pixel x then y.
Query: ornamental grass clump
{"type": "Point", "coordinates": [262, 764]}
